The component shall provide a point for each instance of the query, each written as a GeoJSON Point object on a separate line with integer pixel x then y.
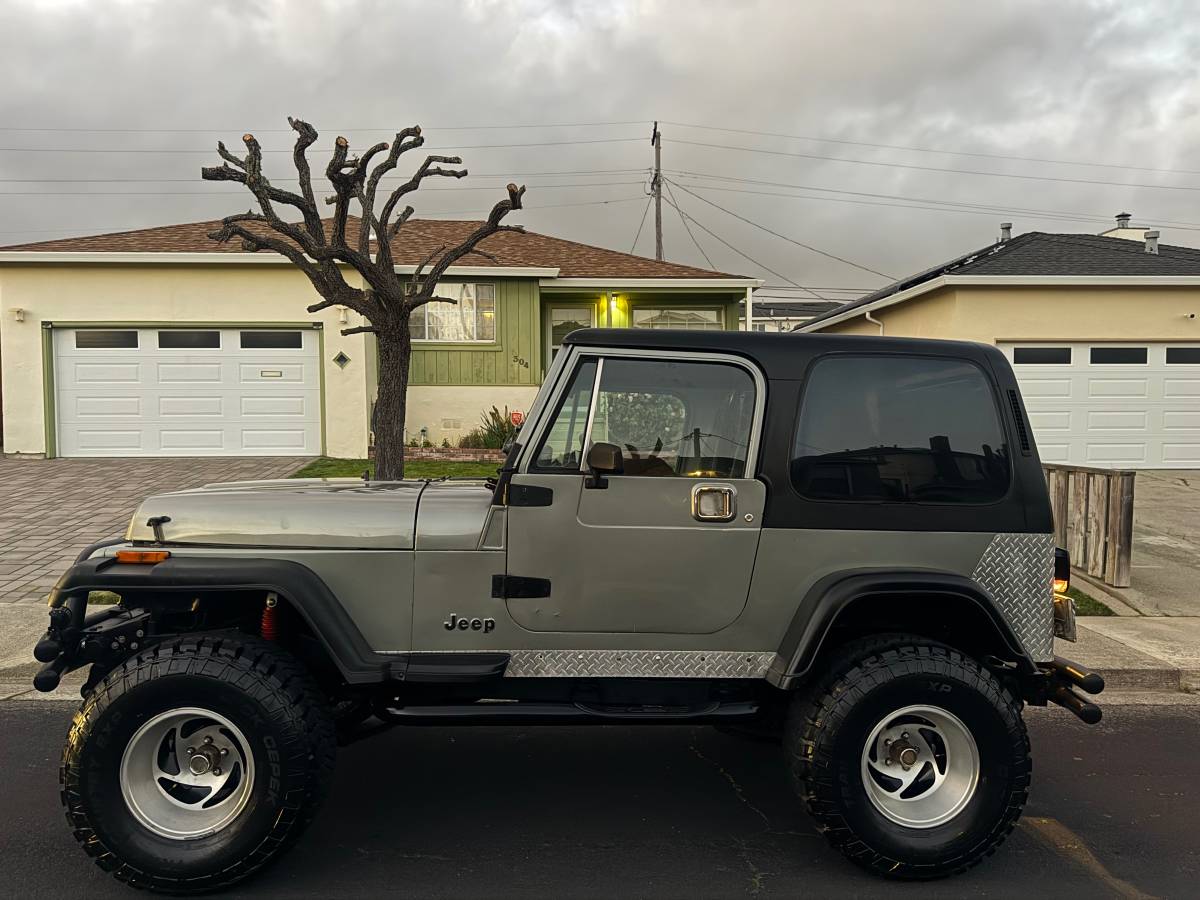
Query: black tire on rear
{"type": "Point", "coordinates": [827, 731]}
{"type": "Point", "coordinates": [257, 686]}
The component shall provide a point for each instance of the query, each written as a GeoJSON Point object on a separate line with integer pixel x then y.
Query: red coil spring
{"type": "Point", "coordinates": [269, 628]}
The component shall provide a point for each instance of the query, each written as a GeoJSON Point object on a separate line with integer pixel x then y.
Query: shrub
{"type": "Point", "coordinates": [493, 432]}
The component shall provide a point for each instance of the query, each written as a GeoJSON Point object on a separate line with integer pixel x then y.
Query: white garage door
{"type": "Point", "coordinates": [1112, 405]}
{"type": "Point", "coordinates": [187, 392]}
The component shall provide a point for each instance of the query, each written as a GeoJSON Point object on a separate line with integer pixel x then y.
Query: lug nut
{"type": "Point", "coordinates": [217, 771]}
{"type": "Point", "coordinates": [191, 751]}
{"type": "Point", "coordinates": [224, 750]}
{"type": "Point", "coordinates": [904, 734]}
{"type": "Point", "coordinates": [208, 739]}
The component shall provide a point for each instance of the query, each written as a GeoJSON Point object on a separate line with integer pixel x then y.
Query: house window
{"type": "Point", "coordinates": [96, 339]}
{"type": "Point", "coordinates": [1183, 356]}
{"type": "Point", "coordinates": [1122, 356]}
{"type": "Point", "coordinates": [678, 317]}
{"type": "Point", "coordinates": [471, 318]}
{"type": "Point", "coordinates": [1042, 356]}
{"type": "Point", "coordinates": [271, 340]}
{"type": "Point", "coordinates": [899, 429]}
{"type": "Point", "coordinates": [189, 340]}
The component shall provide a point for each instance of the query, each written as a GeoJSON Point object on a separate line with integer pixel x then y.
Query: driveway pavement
{"type": "Point", "coordinates": [1166, 544]}
{"type": "Point", "coordinates": [50, 509]}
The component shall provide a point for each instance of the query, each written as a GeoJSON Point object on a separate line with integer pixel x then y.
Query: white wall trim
{"type": "Point", "coordinates": [1006, 281]}
{"type": "Point", "coordinates": [631, 283]}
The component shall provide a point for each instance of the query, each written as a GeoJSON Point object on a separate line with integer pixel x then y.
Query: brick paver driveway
{"type": "Point", "coordinates": [50, 509]}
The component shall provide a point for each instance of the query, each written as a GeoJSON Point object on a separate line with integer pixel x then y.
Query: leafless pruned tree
{"type": "Point", "coordinates": [325, 248]}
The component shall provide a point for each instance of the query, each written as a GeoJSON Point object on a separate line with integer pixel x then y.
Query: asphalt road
{"type": "Point", "coordinates": [648, 812]}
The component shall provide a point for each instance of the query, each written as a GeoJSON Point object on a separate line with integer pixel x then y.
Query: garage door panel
{"type": "Point", "coordinates": [105, 373]}
{"type": "Point", "coordinates": [147, 401]}
{"type": "Point", "coordinates": [268, 372]}
{"type": "Point", "coordinates": [190, 406]}
{"type": "Point", "coordinates": [1144, 414]}
{"type": "Point", "coordinates": [106, 407]}
{"type": "Point", "coordinates": [273, 406]}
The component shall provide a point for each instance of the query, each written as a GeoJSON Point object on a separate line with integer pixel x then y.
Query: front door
{"type": "Point", "coordinates": [665, 547]}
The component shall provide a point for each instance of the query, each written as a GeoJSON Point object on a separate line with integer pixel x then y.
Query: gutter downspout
{"type": "Point", "coordinates": [874, 321]}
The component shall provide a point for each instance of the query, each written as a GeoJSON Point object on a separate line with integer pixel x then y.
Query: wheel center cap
{"type": "Point", "coordinates": [199, 764]}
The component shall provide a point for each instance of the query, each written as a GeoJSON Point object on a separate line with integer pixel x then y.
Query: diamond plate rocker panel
{"type": "Point", "coordinates": [1018, 571]}
{"type": "Point", "coordinates": [638, 664]}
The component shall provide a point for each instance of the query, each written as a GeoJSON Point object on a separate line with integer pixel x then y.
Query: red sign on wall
{"type": "Point", "coordinates": [516, 417]}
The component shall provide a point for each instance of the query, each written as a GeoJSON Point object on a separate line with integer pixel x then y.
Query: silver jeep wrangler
{"type": "Point", "coordinates": [843, 543]}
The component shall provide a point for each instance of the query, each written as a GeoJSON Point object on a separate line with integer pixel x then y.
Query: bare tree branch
{"type": "Point", "coordinates": [486, 230]}
{"type": "Point", "coordinates": [360, 329]}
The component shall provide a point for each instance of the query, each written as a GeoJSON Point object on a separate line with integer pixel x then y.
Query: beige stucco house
{"type": "Point", "coordinates": [1103, 332]}
{"type": "Point", "coordinates": [160, 342]}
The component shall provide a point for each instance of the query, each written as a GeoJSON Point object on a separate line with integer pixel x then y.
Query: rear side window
{"type": "Point", "coordinates": [899, 429]}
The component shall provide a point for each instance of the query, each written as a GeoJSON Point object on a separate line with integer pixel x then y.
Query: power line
{"type": "Point", "coordinates": [784, 237]}
{"type": "Point", "coordinates": [947, 208]}
{"type": "Point", "coordinates": [1035, 159]}
{"type": "Point", "coordinates": [641, 225]}
{"type": "Point", "coordinates": [102, 229]}
{"type": "Point", "coordinates": [688, 227]}
{"type": "Point", "coordinates": [895, 165]}
{"type": "Point", "coordinates": [744, 255]}
{"type": "Point", "coordinates": [290, 131]}
{"type": "Point", "coordinates": [194, 180]}
{"type": "Point", "coordinates": [204, 193]}
{"type": "Point", "coordinates": [289, 150]}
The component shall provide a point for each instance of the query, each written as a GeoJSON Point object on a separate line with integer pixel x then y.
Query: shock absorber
{"type": "Point", "coordinates": [269, 626]}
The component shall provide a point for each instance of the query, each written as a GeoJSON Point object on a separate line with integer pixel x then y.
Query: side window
{"type": "Point", "coordinates": [562, 447]}
{"type": "Point", "coordinates": [899, 429]}
{"type": "Point", "coordinates": [681, 419]}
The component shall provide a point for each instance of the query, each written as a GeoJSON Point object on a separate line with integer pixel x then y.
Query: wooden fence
{"type": "Point", "coordinates": [1093, 519]}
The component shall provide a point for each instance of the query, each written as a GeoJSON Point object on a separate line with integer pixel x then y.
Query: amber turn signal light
{"type": "Point", "coordinates": [1060, 585]}
{"type": "Point", "coordinates": [142, 557]}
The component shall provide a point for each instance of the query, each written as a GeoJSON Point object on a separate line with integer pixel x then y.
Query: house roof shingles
{"type": "Point", "coordinates": [1043, 253]}
{"type": "Point", "coordinates": [416, 241]}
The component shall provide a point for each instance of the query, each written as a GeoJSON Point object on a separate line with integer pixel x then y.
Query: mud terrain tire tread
{"type": "Point", "coordinates": [285, 692]}
{"type": "Point", "coordinates": [816, 717]}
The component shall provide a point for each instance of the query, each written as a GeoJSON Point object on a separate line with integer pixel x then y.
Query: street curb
{"type": "Point", "coordinates": [1101, 592]}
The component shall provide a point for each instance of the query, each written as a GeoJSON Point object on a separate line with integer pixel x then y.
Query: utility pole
{"type": "Point", "coordinates": [656, 184]}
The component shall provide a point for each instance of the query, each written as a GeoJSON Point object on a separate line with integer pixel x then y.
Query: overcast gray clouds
{"type": "Point", "coordinates": [1095, 82]}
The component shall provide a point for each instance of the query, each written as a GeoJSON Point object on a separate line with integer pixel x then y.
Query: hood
{"type": "Point", "coordinates": [327, 513]}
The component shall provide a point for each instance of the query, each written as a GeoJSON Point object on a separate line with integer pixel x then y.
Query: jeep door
{"type": "Point", "coordinates": [667, 545]}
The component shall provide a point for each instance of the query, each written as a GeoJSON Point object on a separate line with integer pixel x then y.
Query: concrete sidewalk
{"type": "Point", "coordinates": [1141, 654]}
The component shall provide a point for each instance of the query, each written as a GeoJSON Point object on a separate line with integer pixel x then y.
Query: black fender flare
{"type": "Point", "coordinates": [831, 595]}
{"type": "Point", "coordinates": [181, 577]}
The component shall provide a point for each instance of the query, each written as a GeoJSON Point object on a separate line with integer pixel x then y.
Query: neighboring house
{"type": "Point", "coordinates": [161, 342]}
{"type": "Point", "coordinates": [1102, 332]}
{"type": "Point", "coordinates": [784, 315]}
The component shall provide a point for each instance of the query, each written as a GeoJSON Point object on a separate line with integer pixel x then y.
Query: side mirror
{"type": "Point", "coordinates": [603, 459]}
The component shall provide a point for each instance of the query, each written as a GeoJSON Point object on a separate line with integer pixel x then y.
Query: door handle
{"type": "Point", "coordinates": [714, 502]}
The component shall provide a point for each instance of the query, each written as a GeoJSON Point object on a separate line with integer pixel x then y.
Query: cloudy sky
{"type": "Point", "coordinates": [893, 135]}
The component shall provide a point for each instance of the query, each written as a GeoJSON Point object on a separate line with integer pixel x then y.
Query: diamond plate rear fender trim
{"type": "Point", "coordinates": [638, 664]}
{"type": "Point", "coordinates": [1018, 571]}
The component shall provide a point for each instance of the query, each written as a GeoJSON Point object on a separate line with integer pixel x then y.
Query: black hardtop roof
{"type": "Point", "coordinates": [781, 355]}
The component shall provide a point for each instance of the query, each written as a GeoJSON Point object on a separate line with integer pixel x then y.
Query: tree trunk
{"type": "Point", "coordinates": [395, 355]}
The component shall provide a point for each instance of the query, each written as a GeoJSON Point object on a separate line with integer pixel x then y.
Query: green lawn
{"type": "Point", "coordinates": [1087, 605]}
{"type": "Point", "coordinates": [331, 467]}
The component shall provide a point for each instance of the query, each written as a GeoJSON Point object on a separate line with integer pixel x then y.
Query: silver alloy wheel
{"type": "Point", "coordinates": [187, 773]}
{"type": "Point", "coordinates": [920, 766]}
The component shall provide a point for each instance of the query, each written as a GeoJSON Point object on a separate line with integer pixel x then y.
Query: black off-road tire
{"type": "Point", "coordinates": [828, 728]}
{"type": "Point", "coordinates": [257, 686]}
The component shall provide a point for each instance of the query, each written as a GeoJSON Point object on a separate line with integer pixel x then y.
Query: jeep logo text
{"type": "Point", "coordinates": [484, 625]}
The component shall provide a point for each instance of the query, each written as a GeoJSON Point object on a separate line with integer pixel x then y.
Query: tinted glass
{"type": "Point", "coordinates": [189, 340]}
{"type": "Point", "coordinates": [562, 447]}
{"type": "Point", "coordinates": [95, 339]}
{"type": "Point", "coordinates": [899, 429]}
{"type": "Point", "coordinates": [1183, 356]}
{"type": "Point", "coordinates": [684, 419]}
{"type": "Point", "coordinates": [1042, 356]}
{"type": "Point", "coordinates": [271, 340]}
{"type": "Point", "coordinates": [1118, 355]}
